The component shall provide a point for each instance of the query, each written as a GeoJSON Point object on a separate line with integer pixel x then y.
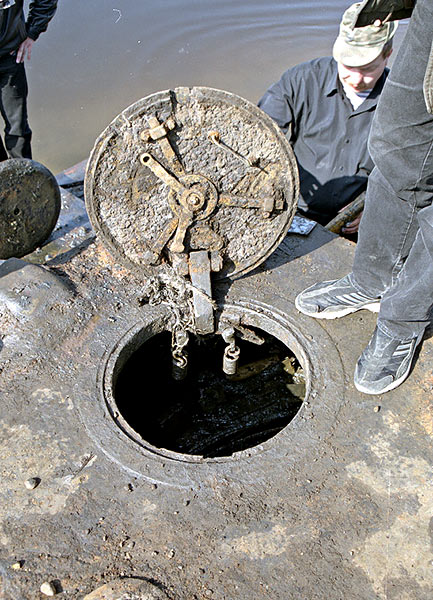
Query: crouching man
{"type": "Point", "coordinates": [326, 107]}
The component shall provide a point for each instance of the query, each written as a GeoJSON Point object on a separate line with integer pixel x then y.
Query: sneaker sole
{"type": "Point", "coordinates": [388, 388]}
{"type": "Point", "coordinates": [335, 312]}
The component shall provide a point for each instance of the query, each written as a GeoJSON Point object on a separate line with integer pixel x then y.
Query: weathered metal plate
{"type": "Point", "coordinates": [191, 169]}
{"type": "Point", "coordinates": [29, 206]}
{"type": "Point", "coordinates": [338, 503]}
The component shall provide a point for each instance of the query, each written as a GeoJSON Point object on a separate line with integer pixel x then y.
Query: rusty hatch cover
{"type": "Point", "coordinates": [187, 170]}
{"type": "Point", "coordinates": [29, 206]}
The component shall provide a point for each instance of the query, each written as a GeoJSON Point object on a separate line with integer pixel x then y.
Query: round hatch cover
{"type": "Point", "coordinates": [29, 206]}
{"type": "Point", "coordinates": [187, 170]}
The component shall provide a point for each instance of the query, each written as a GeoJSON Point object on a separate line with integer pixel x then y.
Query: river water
{"type": "Point", "coordinates": [100, 56]}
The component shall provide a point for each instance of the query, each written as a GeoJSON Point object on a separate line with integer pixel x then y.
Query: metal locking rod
{"type": "Point", "coordinates": [147, 160]}
{"type": "Point", "coordinates": [215, 138]}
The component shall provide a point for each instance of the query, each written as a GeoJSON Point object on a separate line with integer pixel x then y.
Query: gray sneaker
{"type": "Point", "coordinates": [333, 299]}
{"type": "Point", "coordinates": [385, 363]}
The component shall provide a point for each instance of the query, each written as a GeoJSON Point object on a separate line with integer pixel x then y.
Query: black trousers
{"type": "Point", "coordinates": [13, 108]}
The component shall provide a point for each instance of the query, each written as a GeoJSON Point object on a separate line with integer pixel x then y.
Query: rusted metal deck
{"type": "Point", "coordinates": [334, 501]}
{"type": "Point", "coordinates": [337, 505]}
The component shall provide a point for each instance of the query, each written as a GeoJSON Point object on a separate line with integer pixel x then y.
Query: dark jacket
{"type": "Point", "coordinates": [384, 10]}
{"type": "Point", "coordinates": [328, 136]}
{"type": "Point", "coordinates": [14, 28]}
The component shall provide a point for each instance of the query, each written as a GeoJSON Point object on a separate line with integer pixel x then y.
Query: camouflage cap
{"type": "Point", "coordinates": [355, 47]}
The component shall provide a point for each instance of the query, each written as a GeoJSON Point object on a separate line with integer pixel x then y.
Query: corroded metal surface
{"type": "Point", "coordinates": [73, 176]}
{"type": "Point", "coordinates": [199, 271]}
{"type": "Point", "coordinates": [29, 206]}
{"type": "Point", "coordinates": [337, 505]}
{"type": "Point", "coordinates": [187, 170]}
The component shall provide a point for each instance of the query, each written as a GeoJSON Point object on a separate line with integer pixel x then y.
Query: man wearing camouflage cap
{"type": "Point", "coordinates": [393, 267]}
{"type": "Point", "coordinates": [326, 108]}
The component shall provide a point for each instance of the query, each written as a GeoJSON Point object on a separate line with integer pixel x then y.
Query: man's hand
{"type": "Point", "coordinates": [352, 226]}
{"type": "Point", "coordinates": [25, 48]}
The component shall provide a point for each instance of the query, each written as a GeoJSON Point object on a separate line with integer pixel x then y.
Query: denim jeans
{"type": "Point", "coordinates": [13, 108]}
{"type": "Point", "coordinates": [394, 254]}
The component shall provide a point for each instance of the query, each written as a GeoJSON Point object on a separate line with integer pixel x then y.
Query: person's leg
{"type": "Point", "coordinates": [401, 146]}
{"type": "Point", "coordinates": [3, 153]}
{"type": "Point", "coordinates": [387, 232]}
{"type": "Point", "coordinates": [13, 91]}
{"type": "Point", "coordinates": [404, 315]}
{"type": "Point", "coordinates": [405, 309]}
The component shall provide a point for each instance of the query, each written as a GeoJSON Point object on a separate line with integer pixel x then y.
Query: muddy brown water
{"type": "Point", "coordinates": [100, 56]}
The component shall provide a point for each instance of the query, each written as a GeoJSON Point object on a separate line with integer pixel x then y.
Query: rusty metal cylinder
{"type": "Point", "coordinates": [230, 359]}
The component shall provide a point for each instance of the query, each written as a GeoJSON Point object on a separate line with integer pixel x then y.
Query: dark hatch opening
{"type": "Point", "coordinates": [208, 413]}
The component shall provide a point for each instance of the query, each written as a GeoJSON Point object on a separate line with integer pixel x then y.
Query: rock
{"type": "Point", "coordinates": [253, 368]}
{"type": "Point", "coordinates": [48, 589]}
{"type": "Point", "coordinates": [296, 389]}
{"type": "Point", "coordinates": [127, 589]}
{"type": "Point", "coordinates": [17, 565]}
{"type": "Point", "coordinates": [32, 483]}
